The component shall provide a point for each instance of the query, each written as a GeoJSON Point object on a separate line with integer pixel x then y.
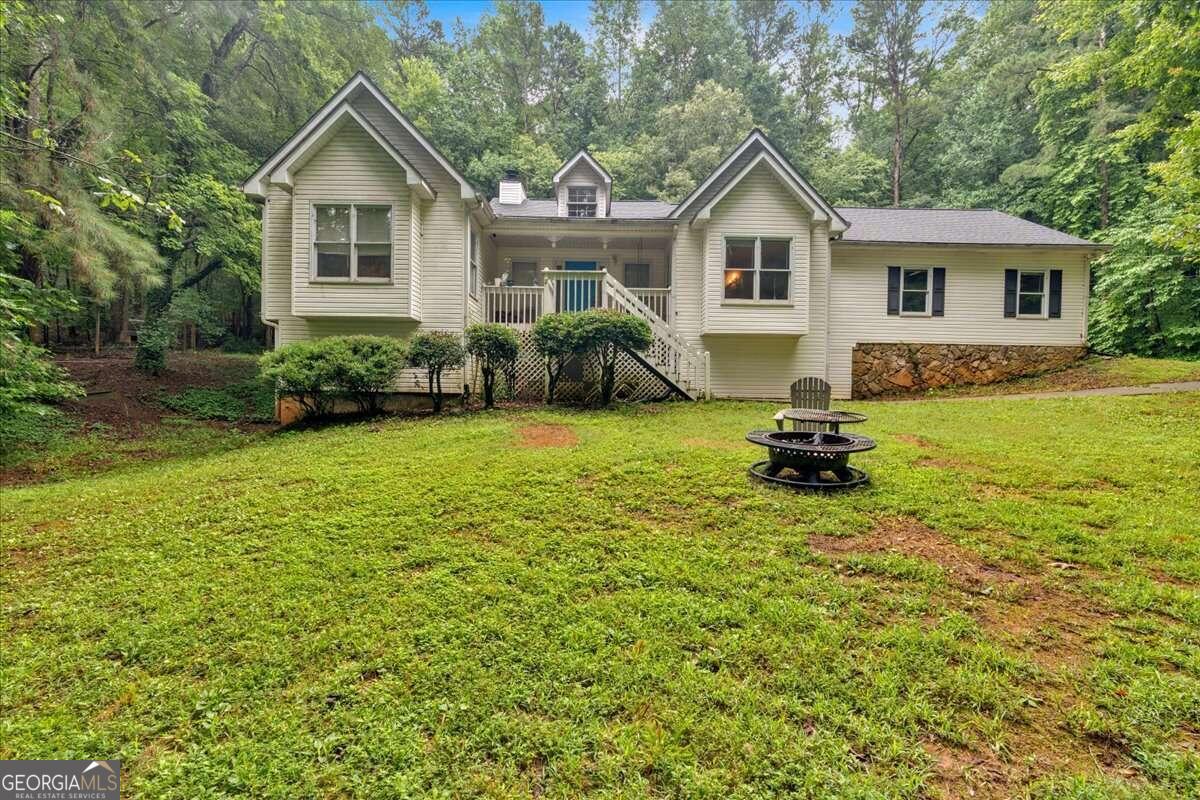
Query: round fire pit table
{"type": "Point", "coordinates": [810, 459]}
{"type": "Point", "coordinates": [836, 419]}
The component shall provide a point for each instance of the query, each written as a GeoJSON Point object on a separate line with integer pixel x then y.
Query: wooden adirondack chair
{"type": "Point", "coordinates": [807, 393]}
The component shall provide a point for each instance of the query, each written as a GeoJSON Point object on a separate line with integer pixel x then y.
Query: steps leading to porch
{"type": "Point", "coordinates": [668, 359]}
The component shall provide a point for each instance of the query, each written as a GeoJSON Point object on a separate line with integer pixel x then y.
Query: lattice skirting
{"type": "Point", "coordinates": [579, 383]}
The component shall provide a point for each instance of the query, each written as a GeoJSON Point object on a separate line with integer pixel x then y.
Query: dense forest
{"type": "Point", "coordinates": [126, 128]}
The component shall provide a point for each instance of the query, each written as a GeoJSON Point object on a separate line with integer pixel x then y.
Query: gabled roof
{"type": "Point", "coordinates": [333, 122]}
{"type": "Point", "coordinates": [952, 226]}
{"type": "Point", "coordinates": [256, 185]}
{"type": "Point", "coordinates": [737, 165]}
{"type": "Point", "coordinates": [586, 157]}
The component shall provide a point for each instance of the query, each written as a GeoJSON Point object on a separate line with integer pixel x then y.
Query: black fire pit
{"type": "Point", "coordinates": [810, 459]}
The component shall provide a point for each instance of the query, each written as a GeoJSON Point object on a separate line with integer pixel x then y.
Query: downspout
{"type": "Point", "coordinates": [828, 301]}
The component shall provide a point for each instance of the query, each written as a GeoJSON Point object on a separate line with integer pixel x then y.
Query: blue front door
{"type": "Point", "coordinates": [581, 293]}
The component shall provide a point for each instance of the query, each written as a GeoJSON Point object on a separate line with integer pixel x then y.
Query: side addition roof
{"type": "Point", "coordinates": [950, 226]}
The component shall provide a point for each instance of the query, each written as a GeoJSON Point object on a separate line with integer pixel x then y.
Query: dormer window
{"type": "Point", "coordinates": [581, 201]}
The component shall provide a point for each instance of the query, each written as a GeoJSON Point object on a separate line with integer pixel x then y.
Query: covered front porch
{"type": "Point", "coordinates": [527, 274]}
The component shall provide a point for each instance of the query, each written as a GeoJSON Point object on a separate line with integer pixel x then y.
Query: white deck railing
{"type": "Point", "coordinates": [657, 300]}
{"type": "Point", "coordinates": [515, 306]}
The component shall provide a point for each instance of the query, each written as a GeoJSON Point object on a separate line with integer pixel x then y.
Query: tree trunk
{"type": "Point", "coordinates": [897, 154]}
{"type": "Point", "coordinates": [96, 332]}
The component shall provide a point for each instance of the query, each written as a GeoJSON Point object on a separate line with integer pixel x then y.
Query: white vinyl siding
{"type": "Point", "coordinates": [277, 254]}
{"type": "Point", "coordinates": [974, 311]}
{"type": "Point", "coordinates": [350, 168]}
{"type": "Point", "coordinates": [760, 208]}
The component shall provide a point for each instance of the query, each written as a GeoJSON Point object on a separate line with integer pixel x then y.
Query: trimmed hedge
{"type": "Point", "coordinates": [318, 372]}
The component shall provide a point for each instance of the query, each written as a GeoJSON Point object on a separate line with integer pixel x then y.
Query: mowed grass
{"type": "Point", "coordinates": [563, 604]}
{"type": "Point", "coordinates": [1093, 372]}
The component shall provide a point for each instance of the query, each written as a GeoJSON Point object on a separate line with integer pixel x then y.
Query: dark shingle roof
{"type": "Point", "coordinates": [982, 226]}
{"type": "Point", "coordinates": [620, 209]}
{"type": "Point", "coordinates": [965, 226]}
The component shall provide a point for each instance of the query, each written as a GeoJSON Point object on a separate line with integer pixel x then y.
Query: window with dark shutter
{"type": "Point", "coordinates": [893, 292]}
{"type": "Point", "coordinates": [1055, 294]}
{"type": "Point", "coordinates": [1010, 292]}
{"type": "Point", "coordinates": [939, 291]}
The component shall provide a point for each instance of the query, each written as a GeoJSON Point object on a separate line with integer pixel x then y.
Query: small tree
{"type": "Point", "coordinates": [496, 348]}
{"type": "Point", "coordinates": [305, 371]}
{"type": "Point", "coordinates": [153, 340]}
{"type": "Point", "coordinates": [434, 352]}
{"type": "Point", "coordinates": [365, 367]}
{"type": "Point", "coordinates": [554, 339]}
{"type": "Point", "coordinates": [603, 334]}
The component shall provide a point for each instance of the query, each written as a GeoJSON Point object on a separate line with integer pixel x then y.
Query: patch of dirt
{"type": "Point", "coordinates": [544, 435]}
{"type": "Point", "coordinates": [911, 537]}
{"type": "Point", "coordinates": [1054, 627]}
{"type": "Point", "coordinates": [1034, 746]}
{"type": "Point", "coordinates": [125, 399]}
{"type": "Point", "coordinates": [912, 438]}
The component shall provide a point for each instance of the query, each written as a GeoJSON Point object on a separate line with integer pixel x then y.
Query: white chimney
{"type": "Point", "coordinates": [512, 190]}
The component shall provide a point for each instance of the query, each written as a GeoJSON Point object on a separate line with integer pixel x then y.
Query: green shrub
{"type": "Point", "coordinates": [305, 371]}
{"type": "Point", "coordinates": [245, 401]}
{"type": "Point", "coordinates": [434, 352]}
{"type": "Point", "coordinates": [603, 335]}
{"type": "Point", "coordinates": [495, 346]}
{"type": "Point", "coordinates": [554, 338]}
{"type": "Point", "coordinates": [318, 372]}
{"type": "Point", "coordinates": [29, 380]}
{"type": "Point", "coordinates": [153, 341]}
{"type": "Point", "coordinates": [366, 367]}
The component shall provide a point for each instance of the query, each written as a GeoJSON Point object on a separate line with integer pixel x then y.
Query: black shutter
{"type": "Point", "coordinates": [1010, 292]}
{"type": "Point", "coordinates": [939, 291]}
{"type": "Point", "coordinates": [1055, 293]}
{"type": "Point", "coordinates": [893, 307]}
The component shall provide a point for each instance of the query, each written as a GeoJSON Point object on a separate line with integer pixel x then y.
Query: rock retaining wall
{"type": "Point", "coordinates": [883, 369]}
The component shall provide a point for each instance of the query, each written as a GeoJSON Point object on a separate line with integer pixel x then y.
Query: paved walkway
{"type": "Point", "coordinates": [1151, 388]}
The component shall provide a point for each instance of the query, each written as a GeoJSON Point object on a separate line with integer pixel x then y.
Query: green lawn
{"type": "Point", "coordinates": [1093, 372]}
{"type": "Point", "coordinates": [557, 604]}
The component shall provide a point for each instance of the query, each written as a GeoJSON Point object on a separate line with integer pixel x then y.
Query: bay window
{"type": "Point", "coordinates": [352, 242]}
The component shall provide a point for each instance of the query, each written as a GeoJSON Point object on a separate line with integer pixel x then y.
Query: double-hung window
{"type": "Point", "coordinates": [915, 291]}
{"type": "Point", "coordinates": [1031, 294]}
{"type": "Point", "coordinates": [581, 201]}
{"type": "Point", "coordinates": [757, 268]}
{"type": "Point", "coordinates": [352, 242]}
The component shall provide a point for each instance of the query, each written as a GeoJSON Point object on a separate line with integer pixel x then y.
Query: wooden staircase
{"type": "Point", "coordinates": [668, 358]}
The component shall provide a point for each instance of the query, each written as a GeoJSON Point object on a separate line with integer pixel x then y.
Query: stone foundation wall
{"type": "Point", "coordinates": [883, 369]}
